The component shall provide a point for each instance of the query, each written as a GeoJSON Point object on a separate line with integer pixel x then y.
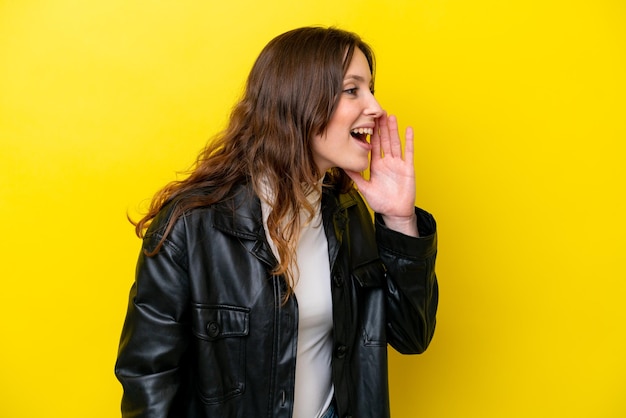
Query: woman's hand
{"type": "Point", "coordinates": [390, 189]}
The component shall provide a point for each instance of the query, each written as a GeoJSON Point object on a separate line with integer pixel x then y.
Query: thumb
{"type": "Point", "coordinates": [357, 178]}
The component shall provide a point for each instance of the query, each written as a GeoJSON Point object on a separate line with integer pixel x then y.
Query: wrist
{"type": "Point", "coordinates": [403, 224]}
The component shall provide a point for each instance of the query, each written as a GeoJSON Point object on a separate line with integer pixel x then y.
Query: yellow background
{"type": "Point", "coordinates": [519, 109]}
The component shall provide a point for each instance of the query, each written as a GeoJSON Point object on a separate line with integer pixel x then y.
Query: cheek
{"type": "Point", "coordinates": [322, 145]}
{"type": "Point", "coordinates": [342, 118]}
{"type": "Point", "coordinates": [345, 119]}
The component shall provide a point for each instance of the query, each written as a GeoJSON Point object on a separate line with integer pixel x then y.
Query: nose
{"type": "Point", "coordinates": [372, 107]}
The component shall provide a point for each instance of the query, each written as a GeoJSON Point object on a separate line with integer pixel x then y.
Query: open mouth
{"type": "Point", "coordinates": [361, 134]}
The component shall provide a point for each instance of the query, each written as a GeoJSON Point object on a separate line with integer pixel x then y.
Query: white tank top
{"type": "Point", "coordinates": [313, 388]}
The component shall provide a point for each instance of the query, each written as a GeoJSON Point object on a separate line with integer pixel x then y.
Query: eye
{"type": "Point", "coordinates": [352, 91]}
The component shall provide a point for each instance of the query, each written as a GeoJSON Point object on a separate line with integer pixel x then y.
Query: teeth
{"type": "Point", "coordinates": [368, 131]}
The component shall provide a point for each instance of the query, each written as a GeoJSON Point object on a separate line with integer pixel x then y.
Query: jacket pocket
{"type": "Point", "coordinates": [370, 279]}
{"type": "Point", "coordinates": [221, 350]}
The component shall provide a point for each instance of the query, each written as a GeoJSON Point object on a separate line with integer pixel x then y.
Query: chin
{"type": "Point", "coordinates": [364, 166]}
{"type": "Point", "coordinates": [357, 168]}
{"type": "Point", "coordinates": [354, 164]}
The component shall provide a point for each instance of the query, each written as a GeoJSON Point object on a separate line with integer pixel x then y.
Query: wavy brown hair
{"type": "Point", "coordinates": [290, 96]}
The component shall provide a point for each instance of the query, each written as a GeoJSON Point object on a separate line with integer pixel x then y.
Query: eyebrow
{"type": "Point", "coordinates": [359, 79]}
{"type": "Point", "coordinates": [354, 77]}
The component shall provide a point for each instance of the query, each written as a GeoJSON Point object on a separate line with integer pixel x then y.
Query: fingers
{"type": "Point", "coordinates": [383, 129]}
{"type": "Point", "coordinates": [357, 178]}
{"type": "Point", "coordinates": [409, 146]}
{"type": "Point", "coordinates": [375, 137]}
{"type": "Point", "coordinates": [395, 145]}
{"type": "Point", "coordinates": [387, 137]}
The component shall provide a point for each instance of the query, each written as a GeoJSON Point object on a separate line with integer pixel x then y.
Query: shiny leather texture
{"type": "Point", "coordinates": [207, 333]}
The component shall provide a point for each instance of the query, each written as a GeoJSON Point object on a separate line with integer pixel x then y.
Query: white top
{"type": "Point", "coordinates": [313, 389]}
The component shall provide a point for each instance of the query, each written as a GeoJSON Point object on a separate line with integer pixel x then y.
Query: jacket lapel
{"type": "Point", "coordinates": [335, 217]}
{"type": "Point", "coordinates": [241, 217]}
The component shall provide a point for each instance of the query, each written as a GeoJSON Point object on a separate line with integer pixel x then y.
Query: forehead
{"type": "Point", "coordinates": [359, 68]}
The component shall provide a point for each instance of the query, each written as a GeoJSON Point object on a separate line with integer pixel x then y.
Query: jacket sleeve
{"type": "Point", "coordinates": [154, 337]}
{"type": "Point", "coordinates": [412, 290]}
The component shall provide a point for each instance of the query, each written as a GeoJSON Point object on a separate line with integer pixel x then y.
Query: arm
{"type": "Point", "coordinates": [154, 336]}
{"type": "Point", "coordinates": [406, 237]}
{"type": "Point", "coordinates": [412, 290]}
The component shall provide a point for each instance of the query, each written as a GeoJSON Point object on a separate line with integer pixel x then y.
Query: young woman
{"type": "Point", "coordinates": [263, 288]}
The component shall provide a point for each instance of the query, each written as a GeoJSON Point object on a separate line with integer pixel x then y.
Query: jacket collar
{"type": "Point", "coordinates": [240, 215]}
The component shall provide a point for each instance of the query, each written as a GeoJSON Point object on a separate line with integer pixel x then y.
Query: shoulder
{"type": "Point", "coordinates": [204, 210]}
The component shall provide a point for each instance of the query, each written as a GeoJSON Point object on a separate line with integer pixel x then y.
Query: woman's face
{"type": "Point", "coordinates": [344, 143]}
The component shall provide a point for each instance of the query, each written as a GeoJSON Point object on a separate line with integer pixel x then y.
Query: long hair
{"type": "Point", "coordinates": [290, 96]}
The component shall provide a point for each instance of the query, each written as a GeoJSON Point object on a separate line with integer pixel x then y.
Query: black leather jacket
{"type": "Point", "coordinates": [207, 334]}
